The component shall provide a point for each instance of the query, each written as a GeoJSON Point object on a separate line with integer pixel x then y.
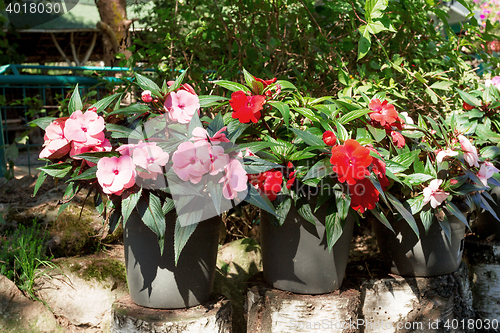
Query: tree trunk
{"type": "Point", "coordinates": [115, 27]}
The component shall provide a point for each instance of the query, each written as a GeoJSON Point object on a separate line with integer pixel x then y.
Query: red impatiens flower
{"type": "Point", "coordinates": [383, 112]}
{"type": "Point", "coordinates": [467, 106]}
{"type": "Point", "coordinates": [291, 175]}
{"type": "Point", "coordinates": [398, 139]}
{"type": "Point", "coordinates": [265, 83]}
{"type": "Point", "coordinates": [246, 108]}
{"type": "Point", "coordinates": [268, 183]}
{"type": "Point", "coordinates": [364, 195]}
{"type": "Point", "coordinates": [350, 161]}
{"type": "Point", "coordinates": [329, 138]}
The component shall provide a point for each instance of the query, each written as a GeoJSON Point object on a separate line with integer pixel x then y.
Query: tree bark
{"type": "Point", "coordinates": [115, 28]}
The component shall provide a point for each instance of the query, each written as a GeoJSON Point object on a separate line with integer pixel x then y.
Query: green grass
{"type": "Point", "coordinates": [22, 254]}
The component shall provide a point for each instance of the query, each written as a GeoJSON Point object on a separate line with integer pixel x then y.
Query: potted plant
{"type": "Point", "coordinates": [326, 172]}
{"type": "Point", "coordinates": [440, 177]}
{"type": "Point", "coordinates": [482, 103]}
{"type": "Point", "coordinates": [162, 173]}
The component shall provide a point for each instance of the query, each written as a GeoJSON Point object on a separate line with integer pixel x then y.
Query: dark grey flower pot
{"type": "Point", "coordinates": [485, 225]}
{"type": "Point", "coordinates": [295, 255]}
{"type": "Point", "coordinates": [431, 255]}
{"type": "Point", "coordinates": [153, 279]}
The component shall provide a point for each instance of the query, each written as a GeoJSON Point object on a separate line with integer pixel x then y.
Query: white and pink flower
{"type": "Point", "coordinates": [441, 154]}
{"type": "Point", "coordinates": [115, 174]}
{"type": "Point", "coordinates": [470, 152]}
{"type": "Point", "coordinates": [146, 96]}
{"type": "Point", "coordinates": [434, 194]}
{"type": "Point", "coordinates": [486, 171]}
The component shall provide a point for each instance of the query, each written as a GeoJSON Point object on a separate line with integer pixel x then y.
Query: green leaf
{"type": "Point", "coordinates": [128, 205]}
{"type": "Point", "coordinates": [334, 226]}
{"type": "Point", "coordinates": [343, 203]}
{"type": "Point", "coordinates": [429, 169]}
{"type": "Point", "coordinates": [375, 9]}
{"type": "Point", "coordinates": [353, 115]}
{"type": "Point", "coordinates": [42, 122]}
{"type": "Point", "coordinates": [215, 125]}
{"type": "Point", "coordinates": [168, 205]}
{"type": "Point", "coordinates": [232, 86]}
{"type": "Point", "coordinates": [442, 85]}
{"type": "Point", "coordinates": [282, 203]}
{"type": "Point", "coordinates": [457, 212]}
{"type": "Point", "coordinates": [87, 174]}
{"type": "Point", "coordinates": [215, 191]}
{"type": "Point", "coordinates": [102, 104]}
{"type": "Point", "coordinates": [147, 84]}
{"type": "Point", "coordinates": [406, 159]}
{"type": "Point", "coordinates": [260, 201]}
{"type": "Point", "coordinates": [490, 152]}
{"type": "Point", "coordinates": [394, 167]}
{"type": "Point", "coordinates": [418, 178]}
{"type": "Point", "coordinates": [132, 109]}
{"type": "Point", "coordinates": [253, 164]}
{"type": "Point", "coordinates": [235, 129]}
{"type": "Point", "coordinates": [378, 133]}
{"type": "Point", "coordinates": [152, 215]}
{"type": "Point", "coordinates": [122, 132]}
{"type": "Point", "coordinates": [364, 44]}
{"type": "Point", "coordinates": [426, 218]}
{"type": "Point", "coordinates": [41, 178]}
{"type": "Point", "coordinates": [57, 170]}
{"type": "Point", "coordinates": [95, 157]}
{"type": "Point", "coordinates": [342, 133]}
{"type": "Point", "coordinates": [404, 212]}
{"type": "Point", "coordinates": [177, 82]}
{"type": "Point", "coordinates": [286, 85]}
{"type": "Point", "coordinates": [283, 109]}
{"type": "Point", "coordinates": [249, 79]}
{"type": "Point", "coordinates": [211, 100]}
{"type": "Point", "coordinates": [304, 209]}
{"type": "Point", "coordinates": [308, 138]}
{"type": "Point", "coordinates": [469, 99]}
{"type": "Point", "coordinates": [181, 237]}
{"type": "Point", "coordinates": [75, 102]}
{"type": "Point", "coordinates": [415, 204]}
{"type": "Point", "coordinates": [445, 225]}
{"type": "Point", "coordinates": [308, 113]}
{"type": "Point", "coordinates": [319, 170]}
{"type": "Point", "coordinates": [382, 219]}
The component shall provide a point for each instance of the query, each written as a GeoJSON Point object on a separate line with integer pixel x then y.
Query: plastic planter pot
{"type": "Point", "coordinates": [431, 255]}
{"type": "Point", "coordinates": [153, 279]}
{"type": "Point", "coordinates": [295, 255]}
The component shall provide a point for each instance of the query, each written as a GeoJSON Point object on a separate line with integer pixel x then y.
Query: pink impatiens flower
{"type": "Point", "coordinates": [86, 128]}
{"type": "Point", "coordinates": [434, 194]}
{"type": "Point", "coordinates": [78, 148]}
{"type": "Point", "coordinates": [116, 174]}
{"type": "Point", "coordinates": [235, 180]}
{"type": "Point", "coordinates": [56, 145]}
{"type": "Point", "coordinates": [181, 106]}
{"type": "Point", "coordinates": [200, 136]}
{"type": "Point", "coordinates": [470, 152]}
{"type": "Point", "coordinates": [191, 162]}
{"type": "Point", "coordinates": [486, 171]}
{"type": "Point", "coordinates": [151, 158]}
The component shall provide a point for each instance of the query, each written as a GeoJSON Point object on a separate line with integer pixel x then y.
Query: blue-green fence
{"type": "Point", "coordinates": [48, 84]}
